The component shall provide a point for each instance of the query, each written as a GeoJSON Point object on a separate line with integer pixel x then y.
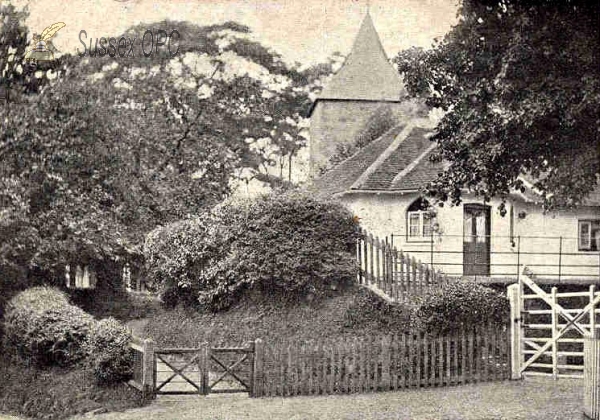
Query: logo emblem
{"type": "Point", "coordinates": [43, 50]}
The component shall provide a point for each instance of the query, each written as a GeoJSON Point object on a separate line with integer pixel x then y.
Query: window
{"type": "Point", "coordinates": [589, 235]}
{"type": "Point", "coordinates": [419, 220]}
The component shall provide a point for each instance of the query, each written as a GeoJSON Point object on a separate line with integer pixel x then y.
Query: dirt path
{"type": "Point", "coordinates": [137, 326]}
{"type": "Point", "coordinates": [531, 399]}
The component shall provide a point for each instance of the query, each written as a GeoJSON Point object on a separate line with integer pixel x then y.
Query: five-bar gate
{"type": "Point", "coordinates": [549, 328]}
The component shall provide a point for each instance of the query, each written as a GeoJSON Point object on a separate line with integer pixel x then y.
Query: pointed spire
{"type": "Point", "coordinates": [366, 74]}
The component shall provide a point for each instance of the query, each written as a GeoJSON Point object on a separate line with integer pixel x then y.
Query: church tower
{"type": "Point", "coordinates": [362, 86]}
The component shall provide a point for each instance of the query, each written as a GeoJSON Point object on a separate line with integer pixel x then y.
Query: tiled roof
{"type": "Point", "coordinates": [424, 172]}
{"type": "Point", "coordinates": [399, 161]}
{"type": "Point", "coordinates": [414, 145]}
{"type": "Point", "coordinates": [380, 81]}
{"type": "Point", "coordinates": [344, 175]}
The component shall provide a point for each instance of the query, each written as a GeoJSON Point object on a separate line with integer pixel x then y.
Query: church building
{"type": "Point", "coordinates": [382, 181]}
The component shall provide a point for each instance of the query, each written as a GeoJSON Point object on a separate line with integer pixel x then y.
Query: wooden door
{"type": "Point", "coordinates": [476, 240]}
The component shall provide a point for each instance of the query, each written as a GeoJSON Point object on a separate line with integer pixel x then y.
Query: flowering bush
{"type": "Point", "coordinates": [175, 255]}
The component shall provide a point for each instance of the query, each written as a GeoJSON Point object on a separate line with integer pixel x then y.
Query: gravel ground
{"type": "Point", "coordinates": [531, 399]}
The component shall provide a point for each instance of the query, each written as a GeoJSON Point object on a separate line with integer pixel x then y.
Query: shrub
{"type": "Point", "coordinates": [42, 326]}
{"type": "Point", "coordinates": [460, 304]}
{"type": "Point", "coordinates": [370, 310]}
{"type": "Point", "coordinates": [281, 246]}
{"type": "Point", "coordinates": [110, 356]}
{"type": "Point", "coordinates": [175, 255]}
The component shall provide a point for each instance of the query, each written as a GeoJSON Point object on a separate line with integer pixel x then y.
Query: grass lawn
{"type": "Point", "coordinates": [355, 312]}
{"type": "Point", "coordinates": [57, 393]}
{"type": "Point", "coordinates": [531, 399]}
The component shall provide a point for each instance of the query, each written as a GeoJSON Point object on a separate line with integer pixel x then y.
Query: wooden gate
{"type": "Point", "coordinates": [548, 333]}
{"type": "Point", "coordinates": [204, 370]}
{"type": "Point", "coordinates": [180, 370]}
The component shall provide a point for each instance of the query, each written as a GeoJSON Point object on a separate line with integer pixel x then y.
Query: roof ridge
{"type": "Point", "coordinates": [359, 150]}
{"type": "Point", "coordinates": [412, 165]}
{"type": "Point", "coordinates": [403, 135]}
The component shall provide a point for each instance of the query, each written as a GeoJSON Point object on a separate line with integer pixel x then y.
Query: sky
{"type": "Point", "coordinates": [304, 31]}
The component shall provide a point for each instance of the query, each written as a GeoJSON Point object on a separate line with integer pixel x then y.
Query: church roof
{"type": "Point", "coordinates": [366, 74]}
{"type": "Point", "coordinates": [396, 161]}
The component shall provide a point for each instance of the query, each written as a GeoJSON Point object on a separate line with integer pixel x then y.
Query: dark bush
{"type": "Point", "coordinates": [175, 255]}
{"type": "Point", "coordinates": [110, 356]}
{"type": "Point", "coordinates": [460, 304]}
{"type": "Point", "coordinates": [370, 310]}
{"type": "Point", "coordinates": [42, 326]}
{"type": "Point", "coordinates": [280, 246]}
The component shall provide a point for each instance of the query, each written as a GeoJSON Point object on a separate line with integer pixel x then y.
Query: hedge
{"type": "Point", "coordinates": [287, 246]}
{"type": "Point", "coordinates": [460, 304]}
{"type": "Point", "coordinates": [110, 356]}
{"type": "Point", "coordinates": [42, 326]}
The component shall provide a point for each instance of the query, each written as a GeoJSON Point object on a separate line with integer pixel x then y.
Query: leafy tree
{"type": "Point", "coordinates": [115, 148]}
{"type": "Point", "coordinates": [520, 81]}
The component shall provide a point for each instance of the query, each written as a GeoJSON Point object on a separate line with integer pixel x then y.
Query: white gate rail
{"type": "Point", "coordinates": [536, 344]}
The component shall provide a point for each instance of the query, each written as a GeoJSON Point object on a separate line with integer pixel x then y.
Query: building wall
{"type": "Point", "coordinates": [535, 239]}
{"type": "Point", "coordinates": [339, 122]}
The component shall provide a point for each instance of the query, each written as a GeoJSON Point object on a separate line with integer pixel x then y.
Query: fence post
{"type": "Point", "coordinates": [148, 371]}
{"type": "Point", "coordinates": [359, 249]}
{"type": "Point", "coordinates": [385, 363]}
{"type": "Point", "coordinates": [591, 378]}
{"type": "Point", "coordinates": [519, 258]}
{"type": "Point", "coordinates": [554, 335]}
{"type": "Point", "coordinates": [559, 258]}
{"type": "Point", "coordinates": [431, 253]}
{"type": "Point", "coordinates": [513, 292]}
{"type": "Point", "coordinates": [593, 311]}
{"type": "Point", "coordinates": [203, 363]}
{"type": "Point", "coordinates": [258, 369]}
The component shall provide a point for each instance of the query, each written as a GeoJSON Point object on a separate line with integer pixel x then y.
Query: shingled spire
{"type": "Point", "coordinates": [366, 86]}
{"type": "Point", "coordinates": [366, 74]}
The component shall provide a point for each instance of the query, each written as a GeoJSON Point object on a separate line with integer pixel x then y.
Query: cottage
{"type": "Point", "coordinates": [381, 183]}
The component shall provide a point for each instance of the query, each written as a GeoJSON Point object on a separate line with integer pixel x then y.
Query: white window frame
{"type": "Point", "coordinates": [587, 245]}
{"type": "Point", "coordinates": [421, 225]}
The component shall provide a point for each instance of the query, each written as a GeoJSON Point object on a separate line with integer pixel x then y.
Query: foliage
{"type": "Point", "coordinates": [460, 304]}
{"type": "Point", "coordinates": [42, 326]}
{"type": "Point", "coordinates": [175, 256]}
{"type": "Point", "coordinates": [117, 147]}
{"type": "Point", "coordinates": [57, 393]}
{"type": "Point", "coordinates": [281, 246]}
{"type": "Point", "coordinates": [109, 354]}
{"type": "Point", "coordinates": [520, 82]}
{"type": "Point", "coordinates": [370, 310]}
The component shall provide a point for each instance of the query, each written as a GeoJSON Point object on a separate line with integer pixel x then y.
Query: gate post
{"type": "Point", "coordinates": [256, 382]}
{"type": "Point", "coordinates": [591, 378]}
{"type": "Point", "coordinates": [203, 363]}
{"type": "Point", "coordinates": [513, 292]}
{"type": "Point", "coordinates": [148, 369]}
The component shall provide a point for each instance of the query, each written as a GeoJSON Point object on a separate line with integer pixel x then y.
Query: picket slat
{"type": "Point", "coordinates": [384, 362]}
